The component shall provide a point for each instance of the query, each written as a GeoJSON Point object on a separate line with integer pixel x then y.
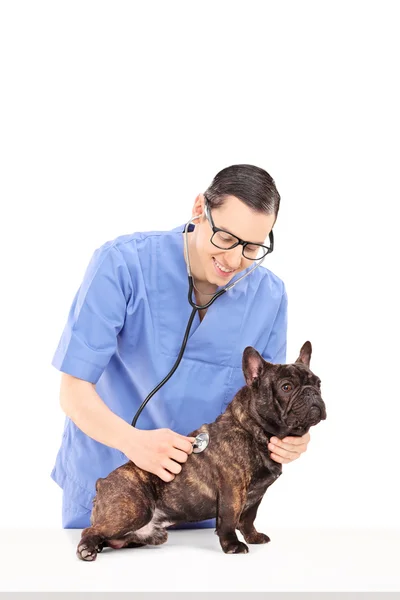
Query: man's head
{"type": "Point", "coordinates": [243, 201]}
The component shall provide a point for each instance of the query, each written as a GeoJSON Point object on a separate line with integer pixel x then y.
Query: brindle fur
{"type": "Point", "coordinates": [226, 481]}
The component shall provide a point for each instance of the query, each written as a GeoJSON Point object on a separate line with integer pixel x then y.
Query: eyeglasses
{"type": "Point", "coordinates": [226, 241]}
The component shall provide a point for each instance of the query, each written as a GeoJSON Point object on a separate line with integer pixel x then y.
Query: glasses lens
{"type": "Point", "coordinates": [254, 251]}
{"type": "Point", "coordinates": [224, 240]}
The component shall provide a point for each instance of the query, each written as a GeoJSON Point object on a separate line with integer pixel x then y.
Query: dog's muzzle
{"type": "Point", "coordinates": [316, 413]}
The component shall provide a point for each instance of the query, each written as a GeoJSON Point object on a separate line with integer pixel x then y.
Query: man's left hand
{"type": "Point", "coordinates": [288, 449]}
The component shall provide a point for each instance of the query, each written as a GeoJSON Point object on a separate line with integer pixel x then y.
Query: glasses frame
{"type": "Point", "coordinates": [215, 229]}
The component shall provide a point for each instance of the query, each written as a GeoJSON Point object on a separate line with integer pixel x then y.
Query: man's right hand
{"type": "Point", "coordinates": [159, 451]}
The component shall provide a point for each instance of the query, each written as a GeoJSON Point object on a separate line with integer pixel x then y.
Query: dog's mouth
{"type": "Point", "coordinates": [316, 414]}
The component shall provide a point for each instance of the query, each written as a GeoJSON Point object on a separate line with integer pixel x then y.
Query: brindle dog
{"type": "Point", "coordinates": [226, 481]}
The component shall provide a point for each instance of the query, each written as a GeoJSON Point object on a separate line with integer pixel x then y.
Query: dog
{"type": "Point", "coordinates": [227, 480]}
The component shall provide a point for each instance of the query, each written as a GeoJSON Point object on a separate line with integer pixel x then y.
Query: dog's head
{"type": "Point", "coordinates": [286, 398]}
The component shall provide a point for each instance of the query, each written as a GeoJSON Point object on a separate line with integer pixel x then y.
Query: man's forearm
{"type": "Point", "coordinates": [82, 404]}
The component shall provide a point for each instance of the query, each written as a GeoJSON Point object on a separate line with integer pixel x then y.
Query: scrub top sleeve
{"type": "Point", "coordinates": [275, 352]}
{"type": "Point", "coordinates": [96, 316]}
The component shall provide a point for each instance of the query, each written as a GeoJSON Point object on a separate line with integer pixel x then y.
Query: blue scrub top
{"type": "Point", "coordinates": [124, 333]}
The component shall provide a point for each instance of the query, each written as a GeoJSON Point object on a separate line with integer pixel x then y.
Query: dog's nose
{"type": "Point", "coordinates": [317, 411]}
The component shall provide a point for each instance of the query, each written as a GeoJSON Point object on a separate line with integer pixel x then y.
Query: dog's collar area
{"type": "Point", "coordinates": [264, 447]}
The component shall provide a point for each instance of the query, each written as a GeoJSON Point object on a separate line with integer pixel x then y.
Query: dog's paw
{"type": "Point", "coordinates": [235, 548]}
{"type": "Point", "coordinates": [88, 551]}
{"type": "Point", "coordinates": [257, 538]}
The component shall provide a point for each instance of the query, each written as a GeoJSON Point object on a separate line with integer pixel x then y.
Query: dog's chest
{"type": "Point", "coordinates": [258, 487]}
{"type": "Point", "coordinates": [262, 478]}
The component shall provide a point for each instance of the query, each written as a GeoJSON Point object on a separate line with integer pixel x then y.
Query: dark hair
{"type": "Point", "coordinates": [252, 185]}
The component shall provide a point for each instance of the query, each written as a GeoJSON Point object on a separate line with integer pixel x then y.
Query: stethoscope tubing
{"type": "Point", "coordinates": [184, 342]}
{"type": "Point", "coordinates": [189, 324]}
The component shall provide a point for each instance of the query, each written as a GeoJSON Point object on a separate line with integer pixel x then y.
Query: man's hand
{"type": "Point", "coordinates": [288, 449]}
{"type": "Point", "coordinates": [159, 451]}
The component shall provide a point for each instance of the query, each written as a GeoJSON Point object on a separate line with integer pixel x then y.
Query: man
{"type": "Point", "coordinates": [125, 330]}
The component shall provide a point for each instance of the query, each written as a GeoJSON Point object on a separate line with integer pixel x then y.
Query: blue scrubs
{"type": "Point", "coordinates": [124, 333]}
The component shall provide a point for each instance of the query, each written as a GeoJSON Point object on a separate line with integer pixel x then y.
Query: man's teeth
{"type": "Point", "coordinates": [223, 268]}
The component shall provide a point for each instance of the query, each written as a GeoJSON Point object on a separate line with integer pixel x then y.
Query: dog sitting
{"type": "Point", "coordinates": [226, 481]}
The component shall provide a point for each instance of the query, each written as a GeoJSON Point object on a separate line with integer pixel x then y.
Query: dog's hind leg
{"type": "Point", "coordinates": [91, 543]}
{"type": "Point", "coordinates": [114, 521]}
{"type": "Point", "coordinates": [149, 534]}
{"type": "Point", "coordinates": [112, 533]}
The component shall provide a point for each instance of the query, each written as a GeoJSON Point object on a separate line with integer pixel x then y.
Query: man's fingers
{"type": "Point", "coordinates": [282, 446]}
{"type": "Point", "coordinates": [178, 455]}
{"type": "Point", "coordinates": [184, 443]}
{"type": "Point", "coordinates": [281, 460]}
{"type": "Point", "coordinates": [283, 453]}
{"type": "Point", "coordinates": [165, 475]}
{"type": "Point", "coordinates": [172, 466]}
{"type": "Point", "coordinates": [298, 441]}
{"type": "Point", "coordinates": [294, 441]}
{"type": "Point", "coordinates": [289, 448]}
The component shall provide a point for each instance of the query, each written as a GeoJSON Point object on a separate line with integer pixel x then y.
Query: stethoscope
{"type": "Point", "coordinates": [202, 440]}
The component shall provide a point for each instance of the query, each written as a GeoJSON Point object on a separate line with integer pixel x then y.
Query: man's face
{"type": "Point", "coordinates": [238, 219]}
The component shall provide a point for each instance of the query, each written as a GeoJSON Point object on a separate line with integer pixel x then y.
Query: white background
{"type": "Point", "coordinates": [115, 115]}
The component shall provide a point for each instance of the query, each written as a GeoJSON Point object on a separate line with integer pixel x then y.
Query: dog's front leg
{"type": "Point", "coordinates": [230, 505]}
{"type": "Point", "coordinates": [246, 525]}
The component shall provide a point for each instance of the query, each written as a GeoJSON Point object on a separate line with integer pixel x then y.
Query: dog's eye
{"type": "Point", "coordinates": [286, 387]}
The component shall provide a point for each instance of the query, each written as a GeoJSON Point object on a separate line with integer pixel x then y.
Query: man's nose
{"type": "Point", "coordinates": [234, 257]}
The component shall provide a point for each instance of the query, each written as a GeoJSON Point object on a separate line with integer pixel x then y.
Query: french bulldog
{"type": "Point", "coordinates": [227, 480]}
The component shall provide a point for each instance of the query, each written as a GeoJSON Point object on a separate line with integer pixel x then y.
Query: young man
{"type": "Point", "coordinates": [125, 330]}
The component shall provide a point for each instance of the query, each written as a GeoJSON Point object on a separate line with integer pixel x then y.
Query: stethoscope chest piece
{"type": "Point", "coordinates": [201, 442]}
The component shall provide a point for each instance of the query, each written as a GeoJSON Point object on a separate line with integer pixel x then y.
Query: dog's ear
{"type": "Point", "coordinates": [252, 365]}
{"type": "Point", "coordinates": [305, 354]}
